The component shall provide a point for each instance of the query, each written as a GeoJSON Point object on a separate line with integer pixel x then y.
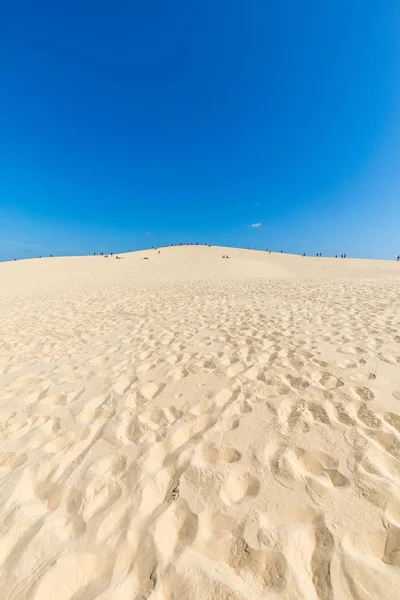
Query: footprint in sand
{"type": "Point", "coordinates": [269, 568]}
{"type": "Point", "coordinates": [369, 417]}
{"type": "Point", "coordinates": [235, 369]}
{"type": "Point", "coordinates": [364, 393]}
{"type": "Point", "coordinates": [318, 470]}
{"type": "Point", "coordinates": [159, 417]}
{"type": "Point", "coordinates": [393, 420]}
{"type": "Point", "coordinates": [294, 416]}
{"type": "Point", "coordinates": [123, 384]}
{"type": "Point", "coordinates": [211, 455]}
{"type": "Point", "coordinates": [330, 382]}
{"type": "Point", "coordinates": [392, 546]}
{"type": "Point", "coordinates": [177, 374]}
{"type": "Point", "coordinates": [321, 562]}
{"type": "Point", "coordinates": [297, 382]}
{"type": "Point", "coordinates": [238, 486]}
{"type": "Point", "coordinates": [318, 413]}
{"type": "Point", "coordinates": [390, 442]}
{"type": "Point", "coordinates": [150, 389]}
{"type": "Point", "coordinates": [342, 415]}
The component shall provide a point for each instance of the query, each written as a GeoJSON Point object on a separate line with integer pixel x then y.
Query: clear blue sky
{"type": "Point", "coordinates": [125, 125]}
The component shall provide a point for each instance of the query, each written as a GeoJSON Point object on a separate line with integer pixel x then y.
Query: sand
{"type": "Point", "coordinates": [188, 427]}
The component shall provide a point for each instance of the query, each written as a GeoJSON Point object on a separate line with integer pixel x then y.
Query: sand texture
{"type": "Point", "coordinates": [193, 428]}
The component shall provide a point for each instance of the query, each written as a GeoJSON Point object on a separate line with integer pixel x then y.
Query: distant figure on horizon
{"type": "Point", "coordinates": [398, 258]}
{"type": "Point", "coordinates": [304, 254]}
{"type": "Point", "coordinates": [281, 251]}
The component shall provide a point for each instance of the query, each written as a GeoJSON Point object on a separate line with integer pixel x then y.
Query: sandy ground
{"type": "Point", "coordinates": [187, 427]}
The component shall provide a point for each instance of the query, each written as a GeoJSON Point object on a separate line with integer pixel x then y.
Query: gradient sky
{"type": "Point", "coordinates": [126, 125]}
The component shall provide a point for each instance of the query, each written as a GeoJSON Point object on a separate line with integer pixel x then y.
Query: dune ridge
{"type": "Point", "coordinates": [188, 427]}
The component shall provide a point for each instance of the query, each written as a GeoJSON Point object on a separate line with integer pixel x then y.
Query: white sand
{"type": "Point", "coordinates": [188, 427]}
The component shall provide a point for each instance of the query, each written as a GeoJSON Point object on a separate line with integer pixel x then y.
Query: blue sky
{"type": "Point", "coordinates": [130, 124]}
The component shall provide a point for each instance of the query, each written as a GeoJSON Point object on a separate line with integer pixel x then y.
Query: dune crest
{"type": "Point", "coordinates": [187, 427]}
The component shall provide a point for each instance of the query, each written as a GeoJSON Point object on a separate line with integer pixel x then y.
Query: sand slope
{"type": "Point", "coordinates": [187, 427]}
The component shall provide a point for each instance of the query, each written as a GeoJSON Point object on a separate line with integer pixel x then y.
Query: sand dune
{"type": "Point", "coordinates": [187, 427]}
